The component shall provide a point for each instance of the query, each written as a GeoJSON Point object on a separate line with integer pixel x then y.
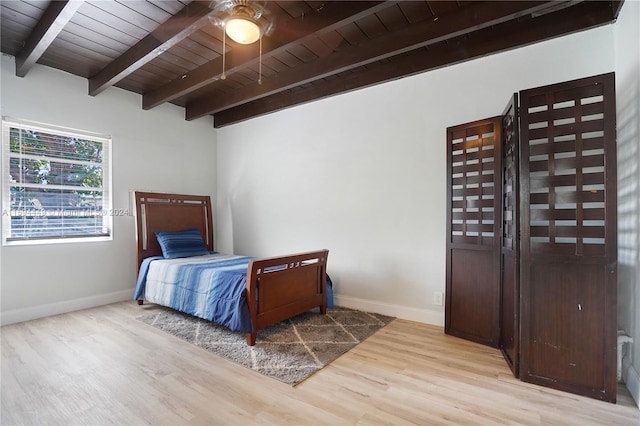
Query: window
{"type": "Point", "coordinates": [56, 184]}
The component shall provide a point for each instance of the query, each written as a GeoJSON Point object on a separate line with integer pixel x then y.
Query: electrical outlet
{"type": "Point", "coordinates": [437, 298]}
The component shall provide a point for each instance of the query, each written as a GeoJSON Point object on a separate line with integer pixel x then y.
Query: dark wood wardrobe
{"type": "Point", "coordinates": [532, 235]}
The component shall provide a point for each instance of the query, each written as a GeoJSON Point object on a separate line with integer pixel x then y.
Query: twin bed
{"type": "Point", "coordinates": [178, 268]}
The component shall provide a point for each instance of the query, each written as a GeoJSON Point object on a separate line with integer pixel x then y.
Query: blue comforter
{"type": "Point", "coordinates": [212, 287]}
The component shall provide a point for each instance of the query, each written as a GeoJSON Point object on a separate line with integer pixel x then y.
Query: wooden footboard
{"type": "Point", "coordinates": [279, 288]}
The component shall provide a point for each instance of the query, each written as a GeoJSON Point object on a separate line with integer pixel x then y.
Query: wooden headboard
{"type": "Point", "coordinates": [169, 212]}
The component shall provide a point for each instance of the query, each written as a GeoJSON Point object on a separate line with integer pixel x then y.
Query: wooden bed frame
{"type": "Point", "coordinates": [273, 294]}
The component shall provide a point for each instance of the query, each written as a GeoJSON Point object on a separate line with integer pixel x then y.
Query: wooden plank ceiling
{"type": "Point", "coordinates": [169, 51]}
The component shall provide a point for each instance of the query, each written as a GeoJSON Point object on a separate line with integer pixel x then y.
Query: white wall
{"type": "Point", "coordinates": [363, 174]}
{"type": "Point", "coordinates": [153, 150]}
{"type": "Point", "coordinates": [627, 48]}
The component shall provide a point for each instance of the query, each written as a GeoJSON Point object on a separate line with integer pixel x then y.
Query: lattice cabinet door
{"type": "Point", "coordinates": [569, 244]}
{"type": "Point", "coordinates": [473, 231]}
{"type": "Point", "coordinates": [510, 243]}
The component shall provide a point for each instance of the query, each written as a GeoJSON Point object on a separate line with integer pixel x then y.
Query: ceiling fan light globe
{"type": "Point", "coordinates": [242, 30]}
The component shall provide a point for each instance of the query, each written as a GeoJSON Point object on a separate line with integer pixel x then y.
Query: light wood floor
{"type": "Point", "coordinates": [102, 366]}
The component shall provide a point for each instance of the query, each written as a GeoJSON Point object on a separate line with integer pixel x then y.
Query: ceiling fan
{"type": "Point", "coordinates": [244, 21]}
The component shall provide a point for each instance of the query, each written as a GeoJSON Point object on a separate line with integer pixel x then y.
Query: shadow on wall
{"type": "Point", "coordinates": [628, 208]}
{"type": "Point", "coordinates": [243, 220]}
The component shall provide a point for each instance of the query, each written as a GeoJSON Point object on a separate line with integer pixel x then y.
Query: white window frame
{"type": "Point", "coordinates": [7, 213]}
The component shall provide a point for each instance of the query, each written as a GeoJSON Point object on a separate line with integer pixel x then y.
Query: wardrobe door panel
{"type": "Point", "coordinates": [472, 301]}
{"type": "Point", "coordinates": [473, 231]}
{"type": "Point", "coordinates": [565, 319]}
{"type": "Point", "coordinates": [569, 241]}
{"type": "Point", "coordinates": [509, 251]}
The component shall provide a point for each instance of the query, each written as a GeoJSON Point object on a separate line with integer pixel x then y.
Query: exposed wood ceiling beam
{"type": "Point", "coordinates": [616, 5]}
{"type": "Point", "coordinates": [180, 26]}
{"type": "Point", "coordinates": [319, 49]}
{"type": "Point", "coordinates": [472, 18]}
{"type": "Point", "coordinates": [288, 32]}
{"type": "Point", "coordinates": [53, 20]}
{"type": "Point", "coordinates": [577, 18]}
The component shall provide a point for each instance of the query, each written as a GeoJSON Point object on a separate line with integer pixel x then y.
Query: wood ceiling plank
{"type": "Point", "coordinates": [200, 49]}
{"type": "Point", "coordinates": [171, 6]}
{"type": "Point", "coordinates": [168, 34]}
{"type": "Point", "coordinates": [17, 24]}
{"type": "Point", "coordinates": [334, 41]}
{"type": "Point", "coordinates": [266, 72]}
{"type": "Point", "coordinates": [60, 44]}
{"type": "Point", "coordinates": [150, 10]}
{"type": "Point", "coordinates": [288, 59]}
{"type": "Point", "coordinates": [122, 26]}
{"type": "Point", "coordinates": [85, 43]}
{"type": "Point", "coordinates": [156, 70]}
{"type": "Point", "coordinates": [189, 56]}
{"type": "Point", "coordinates": [68, 61]}
{"type": "Point", "coordinates": [151, 76]}
{"type": "Point", "coordinates": [579, 17]}
{"type": "Point", "coordinates": [392, 18]}
{"type": "Point", "coordinates": [471, 18]}
{"type": "Point", "coordinates": [23, 12]}
{"type": "Point", "coordinates": [318, 48]}
{"type": "Point", "coordinates": [302, 53]}
{"type": "Point", "coordinates": [290, 32]}
{"type": "Point", "coordinates": [85, 21]}
{"type": "Point", "coordinates": [294, 9]}
{"type": "Point", "coordinates": [353, 34]}
{"type": "Point", "coordinates": [49, 26]}
{"type": "Point", "coordinates": [241, 79]}
{"type": "Point", "coordinates": [140, 81]}
{"type": "Point", "coordinates": [416, 11]}
{"type": "Point", "coordinates": [207, 40]}
{"type": "Point", "coordinates": [273, 63]}
{"type": "Point", "coordinates": [371, 26]}
{"type": "Point", "coordinates": [171, 63]}
{"type": "Point", "coordinates": [11, 36]}
{"type": "Point", "coordinates": [128, 14]}
{"type": "Point", "coordinates": [92, 35]}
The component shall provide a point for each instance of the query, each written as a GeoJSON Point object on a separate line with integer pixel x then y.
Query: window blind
{"type": "Point", "coordinates": [56, 183]}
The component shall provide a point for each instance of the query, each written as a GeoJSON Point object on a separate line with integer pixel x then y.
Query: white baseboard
{"type": "Point", "coordinates": [426, 316]}
{"type": "Point", "coordinates": [40, 311]}
{"type": "Point", "coordinates": [633, 384]}
{"type": "Point", "coordinates": [19, 315]}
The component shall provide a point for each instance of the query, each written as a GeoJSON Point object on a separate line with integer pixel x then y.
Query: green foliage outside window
{"type": "Point", "coordinates": [55, 185]}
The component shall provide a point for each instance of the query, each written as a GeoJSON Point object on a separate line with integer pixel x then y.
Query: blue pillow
{"type": "Point", "coordinates": [181, 243]}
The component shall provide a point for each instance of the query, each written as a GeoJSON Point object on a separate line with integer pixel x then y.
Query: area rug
{"type": "Point", "coordinates": [290, 351]}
